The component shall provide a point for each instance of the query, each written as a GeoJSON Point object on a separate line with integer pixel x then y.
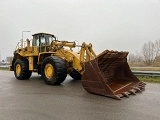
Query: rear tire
{"type": "Point", "coordinates": [21, 69]}
{"type": "Point", "coordinates": [53, 70]}
{"type": "Point", "coordinates": [75, 75]}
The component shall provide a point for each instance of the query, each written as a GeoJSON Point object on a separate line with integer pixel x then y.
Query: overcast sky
{"type": "Point", "coordinates": [123, 25]}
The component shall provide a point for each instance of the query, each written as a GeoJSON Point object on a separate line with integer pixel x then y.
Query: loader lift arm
{"type": "Point", "coordinates": [77, 60]}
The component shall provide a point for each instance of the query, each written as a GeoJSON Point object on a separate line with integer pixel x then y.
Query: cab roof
{"type": "Point", "coordinates": [43, 34]}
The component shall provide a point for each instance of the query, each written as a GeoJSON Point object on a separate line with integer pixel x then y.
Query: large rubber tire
{"type": "Point", "coordinates": [21, 69]}
{"type": "Point", "coordinates": [75, 75]}
{"type": "Point", "coordinates": [53, 70]}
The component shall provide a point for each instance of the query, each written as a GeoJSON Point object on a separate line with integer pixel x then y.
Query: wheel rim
{"type": "Point", "coordinates": [18, 69]}
{"type": "Point", "coordinates": [49, 71]}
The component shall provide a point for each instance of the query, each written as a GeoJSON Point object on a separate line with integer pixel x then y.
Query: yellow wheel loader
{"type": "Point", "coordinates": [106, 74]}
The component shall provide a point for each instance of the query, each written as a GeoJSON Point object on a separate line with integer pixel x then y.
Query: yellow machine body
{"type": "Point", "coordinates": [106, 74]}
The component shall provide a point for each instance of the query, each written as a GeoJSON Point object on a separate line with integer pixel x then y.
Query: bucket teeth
{"type": "Point", "coordinates": [125, 94]}
{"type": "Point", "coordinates": [133, 92]}
{"type": "Point", "coordinates": [142, 88]}
{"type": "Point", "coordinates": [118, 97]}
{"type": "Point", "coordinates": [142, 83]}
{"type": "Point", "coordinates": [137, 89]}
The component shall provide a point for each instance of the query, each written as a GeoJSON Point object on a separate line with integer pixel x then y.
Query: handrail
{"type": "Point", "coordinates": [19, 46]}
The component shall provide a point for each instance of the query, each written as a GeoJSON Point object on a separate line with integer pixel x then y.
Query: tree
{"type": "Point", "coordinates": [148, 51]}
{"type": "Point", "coordinates": [134, 58]}
{"type": "Point", "coordinates": [157, 47]}
{"type": "Point", "coordinates": [131, 58]}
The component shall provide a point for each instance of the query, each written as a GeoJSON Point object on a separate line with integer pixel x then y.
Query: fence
{"type": "Point", "coordinates": [147, 73]}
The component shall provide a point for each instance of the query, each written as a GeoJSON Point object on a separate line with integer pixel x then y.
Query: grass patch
{"type": "Point", "coordinates": [149, 79]}
{"type": "Point", "coordinates": [1, 68]}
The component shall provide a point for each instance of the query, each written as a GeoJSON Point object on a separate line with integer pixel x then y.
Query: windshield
{"type": "Point", "coordinates": [44, 39]}
{"type": "Point", "coordinates": [48, 39]}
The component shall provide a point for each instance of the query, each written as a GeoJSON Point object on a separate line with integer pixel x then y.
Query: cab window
{"type": "Point", "coordinates": [35, 41]}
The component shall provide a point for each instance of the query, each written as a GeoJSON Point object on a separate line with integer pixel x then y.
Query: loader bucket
{"type": "Point", "coordinates": [109, 75]}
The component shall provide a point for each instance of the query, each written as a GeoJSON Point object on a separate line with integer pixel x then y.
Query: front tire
{"type": "Point", "coordinates": [21, 69]}
{"type": "Point", "coordinates": [75, 75]}
{"type": "Point", "coordinates": [53, 70]}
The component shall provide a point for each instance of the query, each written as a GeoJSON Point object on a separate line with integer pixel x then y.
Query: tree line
{"type": "Point", "coordinates": [149, 55]}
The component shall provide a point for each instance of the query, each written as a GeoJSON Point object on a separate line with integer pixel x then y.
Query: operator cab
{"type": "Point", "coordinates": [42, 41]}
